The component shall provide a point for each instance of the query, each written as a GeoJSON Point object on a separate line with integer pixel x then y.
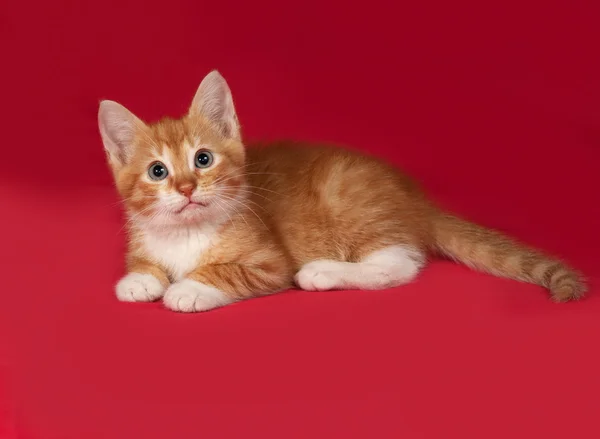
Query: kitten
{"type": "Point", "coordinates": [211, 222]}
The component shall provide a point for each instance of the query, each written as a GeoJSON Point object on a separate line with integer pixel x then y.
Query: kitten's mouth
{"type": "Point", "coordinates": [192, 205]}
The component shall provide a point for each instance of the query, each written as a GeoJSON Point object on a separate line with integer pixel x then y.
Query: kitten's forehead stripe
{"type": "Point", "coordinates": [167, 158]}
{"type": "Point", "coordinates": [173, 139]}
{"type": "Point", "coordinates": [172, 133]}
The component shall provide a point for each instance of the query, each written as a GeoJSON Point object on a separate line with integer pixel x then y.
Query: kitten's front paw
{"type": "Point", "coordinates": [317, 276]}
{"type": "Point", "coordinates": [191, 296]}
{"type": "Point", "coordinates": [137, 287]}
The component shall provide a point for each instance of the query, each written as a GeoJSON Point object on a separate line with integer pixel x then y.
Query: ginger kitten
{"type": "Point", "coordinates": [211, 222]}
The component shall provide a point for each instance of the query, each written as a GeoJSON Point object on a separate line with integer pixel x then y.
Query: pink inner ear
{"type": "Point", "coordinates": [118, 127]}
{"type": "Point", "coordinates": [214, 102]}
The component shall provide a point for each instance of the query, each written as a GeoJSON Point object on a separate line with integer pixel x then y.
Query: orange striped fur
{"type": "Point", "coordinates": [262, 219]}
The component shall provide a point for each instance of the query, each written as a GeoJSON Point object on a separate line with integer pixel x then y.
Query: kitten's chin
{"type": "Point", "coordinates": [190, 216]}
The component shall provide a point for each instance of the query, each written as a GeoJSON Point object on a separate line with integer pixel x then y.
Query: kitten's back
{"type": "Point", "coordinates": [334, 203]}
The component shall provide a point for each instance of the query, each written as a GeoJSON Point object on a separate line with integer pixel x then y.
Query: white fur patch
{"type": "Point", "coordinates": [167, 158]}
{"type": "Point", "coordinates": [137, 287]}
{"type": "Point", "coordinates": [385, 268]}
{"type": "Point", "coordinates": [179, 250]}
{"type": "Point", "coordinates": [191, 296]}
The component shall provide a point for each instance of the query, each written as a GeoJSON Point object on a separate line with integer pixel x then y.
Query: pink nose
{"type": "Point", "coordinates": [186, 189]}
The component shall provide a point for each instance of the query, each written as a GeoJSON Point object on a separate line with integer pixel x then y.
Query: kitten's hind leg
{"type": "Point", "coordinates": [384, 268]}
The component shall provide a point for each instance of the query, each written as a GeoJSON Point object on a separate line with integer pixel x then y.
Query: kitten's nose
{"type": "Point", "coordinates": [186, 189]}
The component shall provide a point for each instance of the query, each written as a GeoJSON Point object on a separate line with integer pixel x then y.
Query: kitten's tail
{"type": "Point", "coordinates": [490, 251]}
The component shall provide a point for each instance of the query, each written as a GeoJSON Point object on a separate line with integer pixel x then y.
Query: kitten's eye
{"type": "Point", "coordinates": [203, 159]}
{"type": "Point", "coordinates": [158, 171]}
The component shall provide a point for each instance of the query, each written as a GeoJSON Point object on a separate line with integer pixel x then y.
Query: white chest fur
{"type": "Point", "coordinates": [179, 251]}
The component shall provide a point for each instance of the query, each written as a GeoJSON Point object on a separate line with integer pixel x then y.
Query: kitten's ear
{"type": "Point", "coordinates": [118, 126]}
{"type": "Point", "coordinates": [214, 102]}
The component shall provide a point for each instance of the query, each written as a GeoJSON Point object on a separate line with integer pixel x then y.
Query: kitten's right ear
{"type": "Point", "coordinates": [118, 126]}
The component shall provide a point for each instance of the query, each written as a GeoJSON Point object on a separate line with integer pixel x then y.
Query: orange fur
{"type": "Point", "coordinates": [275, 208]}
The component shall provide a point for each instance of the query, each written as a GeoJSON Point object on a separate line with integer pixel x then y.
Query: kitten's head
{"type": "Point", "coordinates": [177, 172]}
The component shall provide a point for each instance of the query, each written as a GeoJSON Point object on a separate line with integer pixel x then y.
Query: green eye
{"type": "Point", "coordinates": [203, 159]}
{"type": "Point", "coordinates": [158, 171]}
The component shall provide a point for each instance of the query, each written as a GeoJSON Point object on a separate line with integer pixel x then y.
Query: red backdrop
{"type": "Point", "coordinates": [494, 107]}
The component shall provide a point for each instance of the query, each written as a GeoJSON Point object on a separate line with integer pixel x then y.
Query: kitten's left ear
{"type": "Point", "coordinates": [214, 102]}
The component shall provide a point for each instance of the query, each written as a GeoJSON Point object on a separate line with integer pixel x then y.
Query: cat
{"type": "Point", "coordinates": [211, 222]}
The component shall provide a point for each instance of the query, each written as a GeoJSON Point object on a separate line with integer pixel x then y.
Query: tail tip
{"type": "Point", "coordinates": [573, 290]}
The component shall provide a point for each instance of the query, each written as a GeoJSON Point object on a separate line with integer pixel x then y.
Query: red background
{"type": "Point", "coordinates": [494, 107]}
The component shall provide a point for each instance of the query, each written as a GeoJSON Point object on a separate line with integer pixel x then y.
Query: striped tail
{"type": "Point", "coordinates": [489, 251]}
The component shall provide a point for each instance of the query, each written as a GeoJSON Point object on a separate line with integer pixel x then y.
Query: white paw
{"type": "Point", "coordinates": [191, 296]}
{"type": "Point", "coordinates": [137, 287]}
{"type": "Point", "coordinates": [318, 276]}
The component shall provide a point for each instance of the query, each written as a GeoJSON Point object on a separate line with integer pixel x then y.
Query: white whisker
{"type": "Point", "coordinates": [231, 172]}
{"type": "Point", "coordinates": [246, 174]}
{"type": "Point", "coordinates": [230, 191]}
{"type": "Point", "coordinates": [132, 218]}
{"type": "Point", "coordinates": [265, 189]}
{"type": "Point", "coordinates": [226, 213]}
{"type": "Point", "coordinates": [235, 209]}
{"type": "Point", "coordinates": [248, 207]}
{"type": "Point", "coordinates": [246, 199]}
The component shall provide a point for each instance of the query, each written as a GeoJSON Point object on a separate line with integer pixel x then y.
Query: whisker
{"type": "Point", "coordinates": [155, 216]}
{"type": "Point", "coordinates": [231, 172]}
{"type": "Point", "coordinates": [246, 199]}
{"type": "Point", "coordinates": [258, 187]}
{"type": "Point", "coordinates": [161, 209]}
{"type": "Point", "coordinates": [132, 218]}
{"type": "Point", "coordinates": [226, 213]}
{"type": "Point", "coordinates": [246, 174]}
{"type": "Point", "coordinates": [231, 191]}
{"type": "Point", "coordinates": [265, 189]}
{"type": "Point", "coordinates": [230, 194]}
{"type": "Point", "coordinates": [239, 168]}
{"type": "Point", "coordinates": [248, 207]}
{"type": "Point", "coordinates": [235, 209]}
